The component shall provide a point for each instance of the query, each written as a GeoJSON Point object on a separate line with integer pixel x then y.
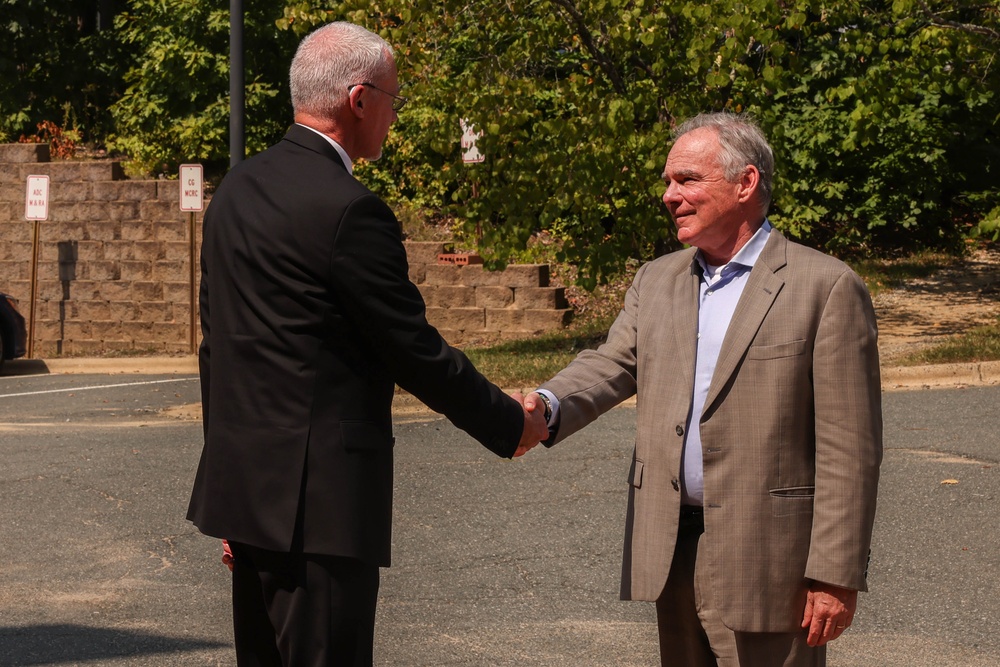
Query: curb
{"type": "Point", "coordinates": [896, 378]}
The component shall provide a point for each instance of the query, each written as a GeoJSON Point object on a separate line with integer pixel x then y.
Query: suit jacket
{"type": "Point", "coordinates": [309, 318]}
{"type": "Point", "coordinates": [791, 430]}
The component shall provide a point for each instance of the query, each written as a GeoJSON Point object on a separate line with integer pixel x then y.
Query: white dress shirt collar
{"type": "Point", "coordinates": [340, 150]}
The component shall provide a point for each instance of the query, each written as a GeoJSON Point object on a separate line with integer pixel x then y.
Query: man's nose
{"type": "Point", "coordinates": [670, 195]}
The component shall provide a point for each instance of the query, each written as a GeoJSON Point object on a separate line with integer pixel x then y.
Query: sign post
{"type": "Point", "coordinates": [192, 201]}
{"type": "Point", "coordinates": [36, 209]}
{"type": "Point", "coordinates": [471, 155]}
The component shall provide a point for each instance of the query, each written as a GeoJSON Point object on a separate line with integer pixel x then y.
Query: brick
{"type": "Point", "coordinates": [93, 211]}
{"type": "Point", "coordinates": [16, 251]}
{"type": "Point", "coordinates": [158, 211]}
{"type": "Point", "coordinates": [461, 319]}
{"type": "Point", "coordinates": [137, 331]}
{"type": "Point", "coordinates": [526, 275]}
{"type": "Point", "coordinates": [100, 270]}
{"type": "Point", "coordinates": [170, 231]}
{"type": "Point", "coordinates": [443, 274]}
{"type": "Point", "coordinates": [101, 171]}
{"type": "Point", "coordinates": [70, 192]}
{"type": "Point", "coordinates": [547, 320]}
{"type": "Point", "coordinates": [82, 346]}
{"type": "Point", "coordinates": [93, 310]}
{"type": "Point", "coordinates": [146, 251]}
{"type": "Point", "coordinates": [62, 211]}
{"type": "Point", "coordinates": [133, 270]}
{"type": "Point", "coordinates": [456, 296]}
{"type": "Point", "coordinates": [11, 173]}
{"type": "Point", "coordinates": [87, 250]}
{"type": "Point", "coordinates": [123, 311]}
{"type": "Point", "coordinates": [476, 275]}
{"type": "Point", "coordinates": [170, 270]}
{"type": "Point", "coordinates": [21, 153]}
{"type": "Point", "coordinates": [87, 290]}
{"type": "Point", "coordinates": [78, 330]}
{"type": "Point", "coordinates": [169, 332]}
{"type": "Point", "coordinates": [177, 250]}
{"type": "Point", "coordinates": [147, 291]}
{"type": "Point", "coordinates": [131, 191]}
{"type": "Point", "coordinates": [46, 289]}
{"type": "Point", "coordinates": [116, 290]}
{"type": "Point", "coordinates": [504, 319]}
{"type": "Point", "coordinates": [496, 296]}
{"type": "Point", "coordinates": [103, 230]}
{"type": "Point", "coordinates": [137, 231]}
{"type": "Point", "coordinates": [177, 292]}
{"type": "Point", "coordinates": [422, 252]}
{"type": "Point", "coordinates": [540, 298]}
{"type": "Point", "coordinates": [12, 191]}
{"type": "Point", "coordinates": [156, 311]}
{"type": "Point", "coordinates": [105, 330]}
{"type": "Point", "coordinates": [417, 273]}
{"type": "Point", "coordinates": [123, 210]}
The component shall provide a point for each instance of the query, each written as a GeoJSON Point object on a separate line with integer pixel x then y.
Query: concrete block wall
{"type": "Point", "coordinates": [468, 302]}
{"type": "Point", "coordinates": [128, 290]}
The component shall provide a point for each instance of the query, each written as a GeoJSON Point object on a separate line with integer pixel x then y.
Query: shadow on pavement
{"type": "Point", "coordinates": [24, 367]}
{"type": "Point", "coordinates": [74, 644]}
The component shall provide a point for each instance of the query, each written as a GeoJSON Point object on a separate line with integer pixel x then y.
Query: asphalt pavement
{"type": "Point", "coordinates": [495, 562]}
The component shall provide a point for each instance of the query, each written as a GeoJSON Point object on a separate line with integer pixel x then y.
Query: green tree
{"type": "Point", "coordinates": [58, 63]}
{"type": "Point", "coordinates": [176, 104]}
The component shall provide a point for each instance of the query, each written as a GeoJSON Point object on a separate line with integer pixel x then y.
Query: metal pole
{"type": "Point", "coordinates": [34, 291]}
{"type": "Point", "coordinates": [237, 88]}
{"type": "Point", "coordinates": [194, 293]}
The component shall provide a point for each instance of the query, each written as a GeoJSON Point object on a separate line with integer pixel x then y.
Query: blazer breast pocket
{"type": "Point", "coordinates": [790, 500]}
{"type": "Point", "coordinates": [790, 349]}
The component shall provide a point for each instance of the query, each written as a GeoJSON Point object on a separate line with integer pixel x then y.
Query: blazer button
{"type": "Point", "coordinates": [674, 483]}
{"type": "Point", "coordinates": [679, 430]}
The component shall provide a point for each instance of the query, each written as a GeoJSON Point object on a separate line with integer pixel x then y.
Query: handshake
{"type": "Point", "coordinates": [535, 427]}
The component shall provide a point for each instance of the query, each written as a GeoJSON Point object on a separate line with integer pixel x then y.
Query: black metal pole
{"type": "Point", "coordinates": [237, 89]}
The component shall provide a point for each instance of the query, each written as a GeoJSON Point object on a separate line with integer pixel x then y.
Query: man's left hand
{"type": "Point", "coordinates": [829, 611]}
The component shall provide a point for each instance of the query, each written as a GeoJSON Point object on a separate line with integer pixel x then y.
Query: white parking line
{"type": "Point", "coordinates": [99, 386]}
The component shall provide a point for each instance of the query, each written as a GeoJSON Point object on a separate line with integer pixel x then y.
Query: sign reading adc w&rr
{"type": "Point", "coordinates": [36, 199]}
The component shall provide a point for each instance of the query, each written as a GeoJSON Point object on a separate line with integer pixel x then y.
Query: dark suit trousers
{"type": "Point", "coordinates": [302, 610]}
{"type": "Point", "coordinates": [692, 633]}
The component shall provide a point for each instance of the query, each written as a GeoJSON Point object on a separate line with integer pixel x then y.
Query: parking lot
{"type": "Point", "coordinates": [495, 562]}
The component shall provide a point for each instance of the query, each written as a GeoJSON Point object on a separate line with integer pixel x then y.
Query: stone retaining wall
{"type": "Point", "coordinates": [113, 271]}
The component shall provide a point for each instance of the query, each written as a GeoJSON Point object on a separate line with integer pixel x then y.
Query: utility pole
{"type": "Point", "coordinates": [237, 88]}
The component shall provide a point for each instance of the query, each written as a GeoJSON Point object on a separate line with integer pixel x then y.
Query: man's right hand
{"type": "Point", "coordinates": [535, 428]}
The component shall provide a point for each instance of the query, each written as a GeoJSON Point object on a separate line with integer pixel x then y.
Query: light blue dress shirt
{"type": "Point", "coordinates": [720, 291]}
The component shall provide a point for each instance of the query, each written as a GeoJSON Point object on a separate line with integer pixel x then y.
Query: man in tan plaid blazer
{"type": "Point", "coordinates": [753, 483]}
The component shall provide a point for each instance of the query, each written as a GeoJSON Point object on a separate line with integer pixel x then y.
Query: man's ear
{"type": "Point", "coordinates": [356, 101]}
{"type": "Point", "coordinates": [749, 182]}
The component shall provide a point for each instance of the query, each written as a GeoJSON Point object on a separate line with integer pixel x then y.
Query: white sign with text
{"type": "Point", "coordinates": [36, 200]}
{"type": "Point", "coordinates": [192, 192]}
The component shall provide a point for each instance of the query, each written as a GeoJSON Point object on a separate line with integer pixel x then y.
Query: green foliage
{"type": "Point", "coordinates": [176, 106]}
{"type": "Point", "coordinates": [883, 115]}
{"type": "Point", "coordinates": [56, 66]}
{"type": "Point", "coordinates": [883, 118]}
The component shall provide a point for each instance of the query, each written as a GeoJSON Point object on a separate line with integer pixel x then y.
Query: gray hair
{"type": "Point", "coordinates": [329, 60]}
{"type": "Point", "coordinates": [742, 143]}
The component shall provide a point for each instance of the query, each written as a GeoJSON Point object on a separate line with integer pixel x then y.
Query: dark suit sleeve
{"type": "Point", "coordinates": [369, 273]}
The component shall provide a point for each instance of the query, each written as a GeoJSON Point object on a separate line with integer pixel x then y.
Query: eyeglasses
{"type": "Point", "coordinates": [397, 102]}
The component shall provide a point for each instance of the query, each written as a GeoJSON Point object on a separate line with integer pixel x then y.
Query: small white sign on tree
{"type": "Point", "coordinates": [470, 154]}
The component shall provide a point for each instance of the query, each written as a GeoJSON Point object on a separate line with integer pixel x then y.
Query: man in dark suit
{"type": "Point", "coordinates": [754, 479]}
{"type": "Point", "coordinates": [309, 319]}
